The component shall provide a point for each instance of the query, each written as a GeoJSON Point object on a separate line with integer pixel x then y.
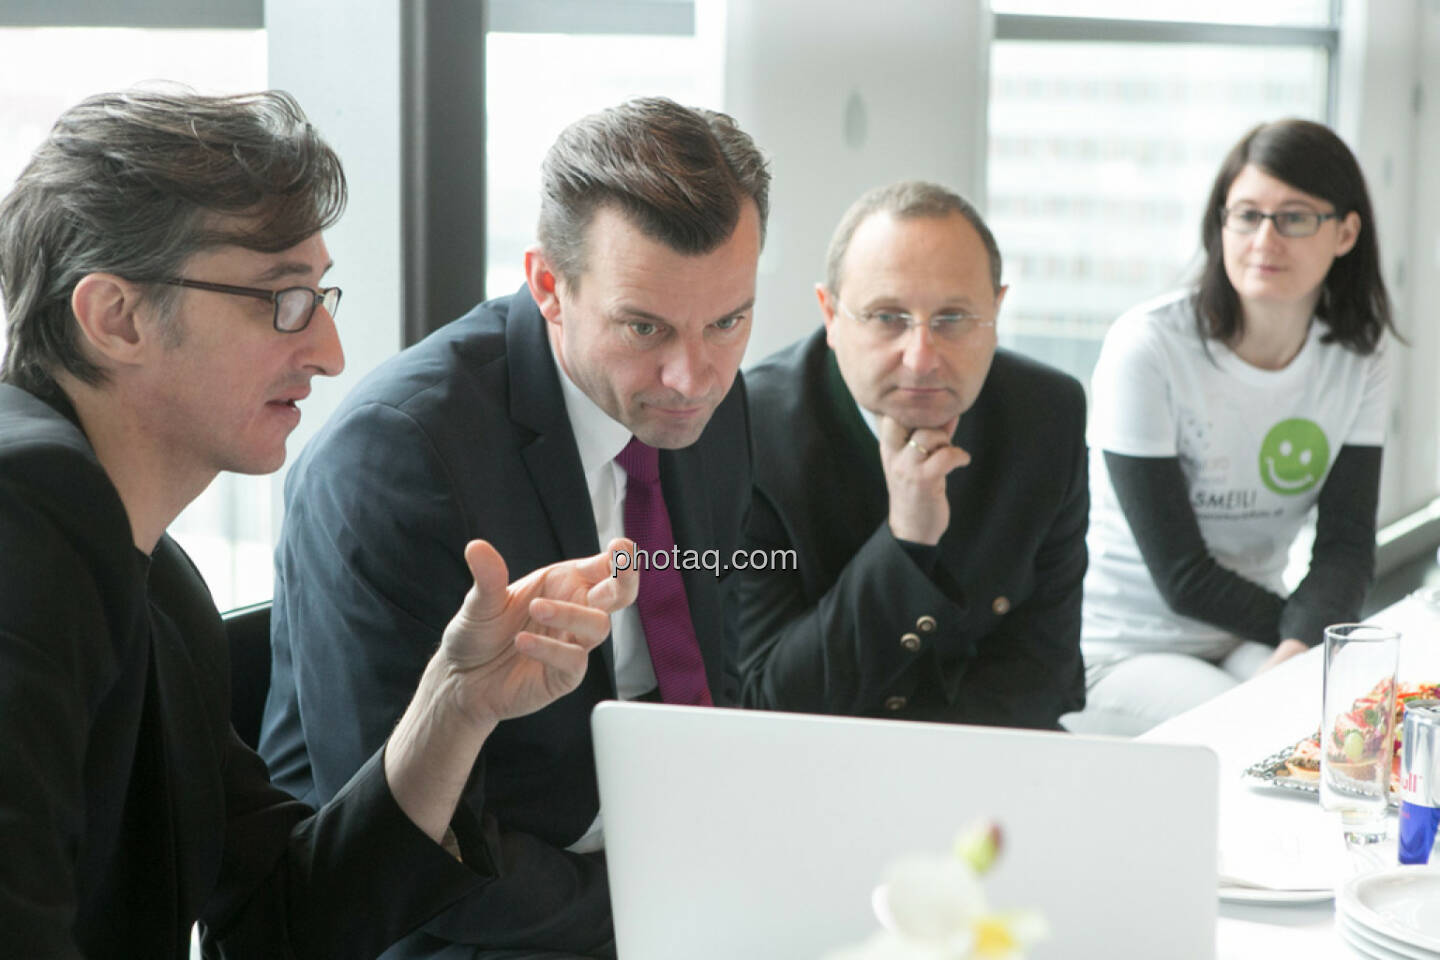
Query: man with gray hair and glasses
{"type": "Point", "coordinates": [162, 259]}
{"type": "Point", "coordinates": [932, 486]}
{"type": "Point", "coordinates": [601, 398]}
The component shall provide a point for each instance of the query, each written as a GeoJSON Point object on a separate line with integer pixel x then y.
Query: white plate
{"type": "Point", "coordinates": [1367, 949]}
{"type": "Point", "coordinates": [1232, 894]}
{"type": "Point", "coordinates": [1399, 902]}
{"type": "Point", "coordinates": [1378, 943]}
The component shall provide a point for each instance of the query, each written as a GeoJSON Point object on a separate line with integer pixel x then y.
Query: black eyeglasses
{"type": "Point", "coordinates": [1288, 223]}
{"type": "Point", "coordinates": [294, 306]}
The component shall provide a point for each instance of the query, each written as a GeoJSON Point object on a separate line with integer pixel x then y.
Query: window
{"type": "Point", "coordinates": [1104, 138]}
{"type": "Point", "coordinates": [583, 73]}
{"type": "Point", "coordinates": [1268, 13]}
{"type": "Point", "coordinates": [226, 530]}
{"type": "Point", "coordinates": [1100, 158]}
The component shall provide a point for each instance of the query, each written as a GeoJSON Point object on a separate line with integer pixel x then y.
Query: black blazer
{"type": "Point", "coordinates": [465, 435]}
{"type": "Point", "coordinates": [992, 635]}
{"type": "Point", "coordinates": [128, 806]}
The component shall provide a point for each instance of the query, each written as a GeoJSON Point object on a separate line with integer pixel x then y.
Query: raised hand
{"type": "Point", "coordinates": [916, 463]}
{"type": "Point", "coordinates": [511, 650]}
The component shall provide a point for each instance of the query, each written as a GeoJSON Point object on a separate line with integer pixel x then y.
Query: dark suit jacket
{"type": "Point", "coordinates": [992, 636]}
{"type": "Point", "coordinates": [465, 435]}
{"type": "Point", "coordinates": [128, 807]}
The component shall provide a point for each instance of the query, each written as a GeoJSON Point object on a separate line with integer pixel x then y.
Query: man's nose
{"type": "Point", "coordinates": [324, 354]}
{"type": "Point", "coordinates": [920, 355]}
{"type": "Point", "coordinates": [687, 368]}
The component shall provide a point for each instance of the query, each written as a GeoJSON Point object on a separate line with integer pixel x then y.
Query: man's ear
{"type": "Point", "coordinates": [542, 281]}
{"type": "Point", "coordinates": [107, 309]}
{"type": "Point", "coordinates": [827, 311]}
{"type": "Point", "coordinates": [1000, 299]}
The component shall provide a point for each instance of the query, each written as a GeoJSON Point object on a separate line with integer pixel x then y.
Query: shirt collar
{"type": "Point", "coordinates": [871, 421]}
{"type": "Point", "coordinates": [598, 436]}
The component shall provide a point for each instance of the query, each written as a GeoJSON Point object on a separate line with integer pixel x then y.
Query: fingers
{"type": "Point", "coordinates": [487, 599]}
{"type": "Point", "coordinates": [608, 586]}
{"type": "Point", "coordinates": [620, 587]}
{"type": "Point", "coordinates": [925, 441]}
{"type": "Point", "coordinates": [586, 624]}
{"type": "Point", "coordinates": [601, 566]}
{"type": "Point", "coordinates": [925, 453]}
{"type": "Point", "coordinates": [945, 459]}
{"type": "Point", "coordinates": [892, 435]}
{"type": "Point", "coordinates": [567, 658]}
{"type": "Point", "coordinates": [595, 568]}
{"type": "Point", "coordinates": [919, 443]}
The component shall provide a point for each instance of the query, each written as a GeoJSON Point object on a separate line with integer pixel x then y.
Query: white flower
{"type": "Point", "coordinates": [934, 900]}
{"type": "Point", "coordinates": [934, 908]}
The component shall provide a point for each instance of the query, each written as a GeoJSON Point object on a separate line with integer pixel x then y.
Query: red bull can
{"type": "Point", "coordinates": [1419, 780]}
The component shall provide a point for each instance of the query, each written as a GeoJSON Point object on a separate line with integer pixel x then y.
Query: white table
{"type": "Point", "coordinates": [1254, 720]}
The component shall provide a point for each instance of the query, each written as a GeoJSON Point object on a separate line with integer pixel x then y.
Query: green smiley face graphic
{"type": "Point", "coordinates": [1293, 456]}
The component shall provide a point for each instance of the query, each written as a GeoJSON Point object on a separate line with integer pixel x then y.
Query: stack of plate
{"type": "Point", "coordinates": [1393, 914]}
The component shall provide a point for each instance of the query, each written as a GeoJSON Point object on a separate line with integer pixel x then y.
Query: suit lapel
{"type": "Point", "coordinates": [683, 479]}
{"type": "Point", "coordinates": [550, 455]}
{"type": "Point", "coordinates": [863, 494]}
{"type": "Point", "coordinates": [186, 636]}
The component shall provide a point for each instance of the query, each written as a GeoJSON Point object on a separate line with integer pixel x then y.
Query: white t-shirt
{"type": "Point", "coordinates": [1255, 447]}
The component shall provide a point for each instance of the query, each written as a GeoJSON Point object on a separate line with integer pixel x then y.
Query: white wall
{"type": "Point", "coordinates": [1388, 72]}
{"type": "Point", "coordinates": [342, 62]}
{"type": "Point", "coordinates": [1422, 318]}
{"type": "Point", "coordinates": [844, 95]}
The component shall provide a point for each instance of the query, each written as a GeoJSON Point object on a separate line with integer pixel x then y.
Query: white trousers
{"type": "Point", "coordinates": [1127, 694]}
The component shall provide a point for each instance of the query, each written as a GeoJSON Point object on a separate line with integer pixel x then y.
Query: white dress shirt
{"type": "Point", "coordinates": [599, 438]}
{"type": "Point", "coordinates": [871, 420]}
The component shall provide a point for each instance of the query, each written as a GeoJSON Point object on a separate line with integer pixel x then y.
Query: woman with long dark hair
{"type": "Point", "coordinates": [1220, 416]}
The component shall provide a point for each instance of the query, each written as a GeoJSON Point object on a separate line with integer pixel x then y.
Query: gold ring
{"type": "Point", "coordinates": [923, 452]}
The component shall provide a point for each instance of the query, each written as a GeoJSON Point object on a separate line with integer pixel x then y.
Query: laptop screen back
{"type": "Point", "coordinates": [762, 835]}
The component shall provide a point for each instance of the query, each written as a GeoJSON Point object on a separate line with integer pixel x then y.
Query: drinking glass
{"type": "Point", "coordinates": [1357, 727]}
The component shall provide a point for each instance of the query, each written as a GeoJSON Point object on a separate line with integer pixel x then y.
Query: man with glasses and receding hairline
{"type": "Point", "coordinates": [932, 486]}
{"type": "Point", "coordinates": [161, 258]}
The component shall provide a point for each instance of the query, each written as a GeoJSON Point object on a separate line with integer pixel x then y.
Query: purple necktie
{"type": "Point", "coordinates": [664, 609]}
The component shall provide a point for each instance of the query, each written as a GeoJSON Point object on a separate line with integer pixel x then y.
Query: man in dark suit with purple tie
{"type": "Point", "coordinates": [601, 397]}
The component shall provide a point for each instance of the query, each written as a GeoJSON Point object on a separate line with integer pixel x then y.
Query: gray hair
{"type": "Point", "coordinates": [134, 183]}
{"type": "Point", "coordinates": [906, 200]}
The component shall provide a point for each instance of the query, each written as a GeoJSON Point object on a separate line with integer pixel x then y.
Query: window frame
{"type": "Point", "coordinates": [1408, 534]}
{"type": "Point", "coordinates": [1036, 27]}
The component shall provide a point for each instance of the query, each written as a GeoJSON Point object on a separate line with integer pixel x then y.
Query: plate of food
{"type": "Point", "coordinates": [1297, 766]}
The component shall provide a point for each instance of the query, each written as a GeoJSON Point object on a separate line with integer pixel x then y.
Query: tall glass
{"type": "Point", "coordinates": [1357, 727]}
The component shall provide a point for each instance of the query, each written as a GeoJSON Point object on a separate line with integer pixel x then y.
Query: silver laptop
{"type": "Point", "coordinates": [746, 834]}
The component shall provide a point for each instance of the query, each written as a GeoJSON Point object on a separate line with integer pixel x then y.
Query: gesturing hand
{"type": "Point", "coordinates": [511, 650]}
{"type": "Point", "coordinates": [916, 464]}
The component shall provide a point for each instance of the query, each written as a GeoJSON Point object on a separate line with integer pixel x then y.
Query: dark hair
{"type": "Point", "coordinates": [136, 182]}
{"type": "Point", "coordinates": [906, 200]}
{"type": "Point", "coordinates": [1310, 157]}
{"type": "Point", "coordinates": [680, 174]}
